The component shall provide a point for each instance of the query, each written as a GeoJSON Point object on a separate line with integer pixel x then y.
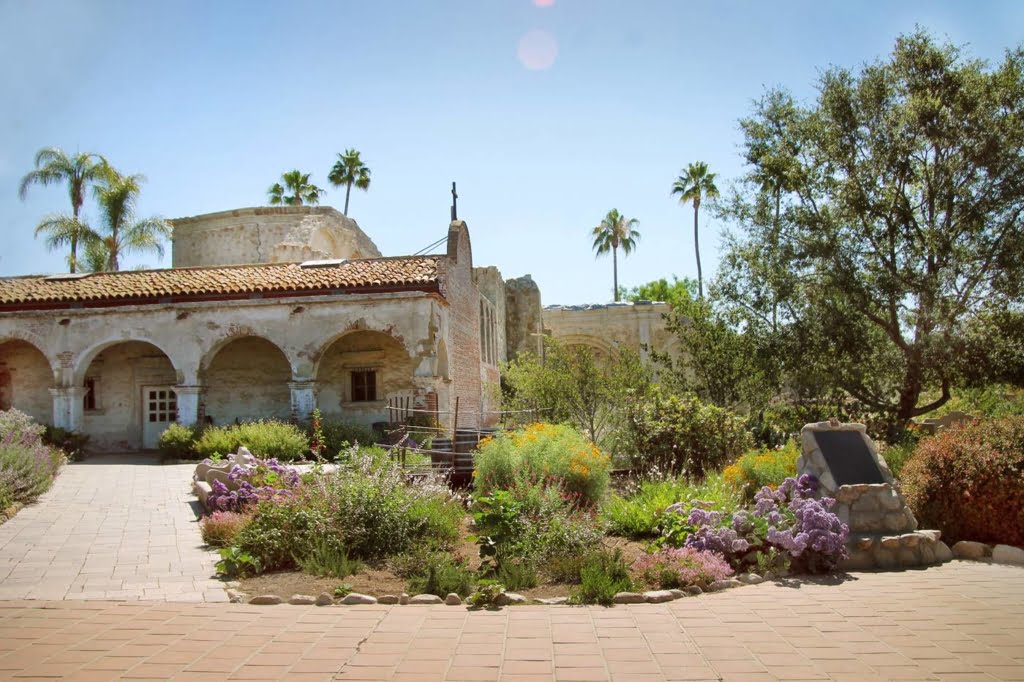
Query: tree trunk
{"type": "Point", "coordinates": [73, 261]}
{"type": "Point", "coordinates": [696, 246]}
{"type": "Point", "coordinates": [615, 274]}
{"type": "Point", "coordinates": [348, 190]}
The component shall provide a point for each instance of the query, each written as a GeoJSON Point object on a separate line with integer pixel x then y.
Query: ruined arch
{"type": "Point", "coordinates": [26, 376]}
{"type": "Point", "coordinates": [602, 348]}
{"type": "Point", "coordinates": [245, 378]}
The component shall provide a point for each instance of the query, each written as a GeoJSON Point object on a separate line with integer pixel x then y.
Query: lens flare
{"type": "Point", "coordinates": [538, 50]}
{"type": "Point", "coordinates": [543, 3]}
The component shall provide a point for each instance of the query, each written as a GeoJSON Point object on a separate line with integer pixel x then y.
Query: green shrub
{"type": "Point", "coordinates": [265, 439]}
{"type": "Point", "coordinates": [759, 468]}
{"type": "Point", "coordinates": [686, 436]}
{"type": "Point", "coordinates": [282, 530]}
{"type": "Point", "coordinates": [640, 512]}
{"type": "Point", "coordinates": [340, 435]}
{"type": "Point", "coordinates": [72, 443]}
{"type": "Point", "coordinates": [969, 482]}
{"type": "Point", "coordinates": [27, 465]}
{"type": "Point", "coordinates": [178, 442]}
{"type": "Point", "coordinates": [518, 575]}
{"type": "Point", "coordinates": [443, 575]}
{"type": "Point", "coordinates": [220, 528]}
{"type": "Point", "coordinates": [544, 454]}
{"type": "Point", "coordinates": [602, 575]}
{"type": "Point", "coordinates": [327, 558]}
{"type": "Point", "coordinates": [896, 456]}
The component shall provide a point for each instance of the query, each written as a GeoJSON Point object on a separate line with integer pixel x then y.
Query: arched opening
{"type": "Point", "coordinates": [129, 396]}
{"type": "Point", "coordinates": [25, 380]}
{"type": "Point", "coordinates": [601, 350]}
{"type": "Point", "coordinates": [247, 379]}
{"type": "Point", "coordinates": [359, 373]}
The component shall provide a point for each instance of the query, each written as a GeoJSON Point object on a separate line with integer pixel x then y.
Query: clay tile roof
{"type": "Point", "coordinates": [236, 281]}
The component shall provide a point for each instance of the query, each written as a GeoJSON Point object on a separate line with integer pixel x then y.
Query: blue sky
{"type": "Point", "coordinates": [213, 100]}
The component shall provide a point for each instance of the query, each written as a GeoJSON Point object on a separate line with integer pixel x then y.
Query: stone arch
{"type": "Point", "coordinates": [86, 357]}
{"type": "Point", "coordinates": [118, 378]}
{"type": "Point", "coordinates": [26, 376]}
{"type": "Point", "coordinates": [601, 347]}
{"type": "Point", "coordinates": [246, 378]}
{"type": "Point", "coordinates": [323, 244]}
{"type": "Point", "coordinates": [359, 371]}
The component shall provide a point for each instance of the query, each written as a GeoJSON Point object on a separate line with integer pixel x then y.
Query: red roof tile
{"type": "Point", "coordinates": [237, 281]}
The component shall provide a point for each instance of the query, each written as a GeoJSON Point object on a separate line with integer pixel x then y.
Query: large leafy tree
{"type": "Point", "coordinates": [349, 170]}
{"type": "Point", "coordinates": [295, 189]}
{"type": "Point", "coordinates": [693, 185]}
{"type": "Point", "coordinates": [79, 171]}
{"type": "Point", "coordinates": [120, 232]}
{"type": "Point", "coordinates": [615, 232]}
{"type": "Point", "coordinates": [879, 222]}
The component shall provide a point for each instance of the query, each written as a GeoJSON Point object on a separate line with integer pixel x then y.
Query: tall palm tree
{"type": "Point", "coordinates": [302, 190]}
{"type": "Point", "coordinates": [349, 170]}
{"type": "Point", "coordinates": [615, 232]}
{"type": "Point", "coordinates": [694, 184]}
{"type": "Point", "coordinates": [79, 171]}
{"type": "Point", "coordinates": [122, 233]}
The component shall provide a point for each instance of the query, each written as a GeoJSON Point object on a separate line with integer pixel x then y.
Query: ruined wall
{"type": "Point", "coordinates": [268, 235]}
{"type": "Point", "coordinates": [464, 328]}
{"type": "Point", "coordinates": [523, 317]}
{"type": "Point", "coordinates": [25, 378]}
{"type": "Point", "coordinates": [247, 380]}
{"type": "Point", "coordinates": [364, 350]}
{"type": "Point", "coordinates": [120, 372]}
{"type": "Point", "coordinates": [607, 328]}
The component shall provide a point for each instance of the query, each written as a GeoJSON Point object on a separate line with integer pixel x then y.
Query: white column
{"type": "Point", "coordinates": [67, 407]}
{"type": "Point", "coordinates": [303, 399]}
{"type": "Point", "coordinates": [188, 404]}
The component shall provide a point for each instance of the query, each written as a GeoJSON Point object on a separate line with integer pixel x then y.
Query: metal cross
{"type": "Point", "coordinates": [455, 204]}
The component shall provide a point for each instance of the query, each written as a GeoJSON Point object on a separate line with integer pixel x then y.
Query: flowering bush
{"type": "Point", "coordinates": [27, 465]}
{"type": "Point", "coordinates": [969, 481]}
{"type": "Point", "coordinates": [640, 512]}
{"type": "Point", "coordinates": [219, 529]}
{"type": "Point", "coordinates": [787, 524]}
{"type": "Point", "coordinates": [553, 455]}
{"type": "Point", "coordinates": [759, 468]}
{"type": "Point", "coordinates": [682, 567]}
{"type": "Point", "coordinates": [265, 480]}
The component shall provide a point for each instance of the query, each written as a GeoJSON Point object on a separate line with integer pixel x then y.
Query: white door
{"type": "Point", "coordinates": [159, 409]}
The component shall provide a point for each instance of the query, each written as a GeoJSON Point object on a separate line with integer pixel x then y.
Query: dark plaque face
{"type": "Point", "coordinates": [848, 457]}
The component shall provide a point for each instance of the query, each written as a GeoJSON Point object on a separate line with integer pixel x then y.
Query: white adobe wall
{"type": "Point", "coordinates": [268, 235]}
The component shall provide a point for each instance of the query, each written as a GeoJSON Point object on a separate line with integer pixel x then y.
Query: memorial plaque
{"type": "Point", "coordinates": [848, 457]}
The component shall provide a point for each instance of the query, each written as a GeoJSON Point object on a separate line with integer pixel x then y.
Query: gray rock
{"type": "Point", "coordinates": [910, 539]}
{"type": "Point", "coordinates": [628, 598]}
{"type": "Point", "coordinates": [942, 552]}
{"type": "Point", "coordinates": [750, 578]}
{"type": "Point", "coordinates": [550, 601]}
{"type": "Point", "coordinates": [301, 600]}
{"type": "Point", "coordinates": [890, 501]}
{"type": "Point", "coordinates": [1005, 554]}
{"type": "Point", "coordinates": [930, 536]}
{"type": "Point", "coordinates": [426, 599]}
{"type": "Point", "coordinates": [908, 557]}
{"type": "Point", "coordinates": [403, 598]}
{"type": "Point", "coordinates": [886, 559]}
{"type": "Point", "coordinates": [858, 561]}
{"type": "Point", "coordinates": [693, 590]}
{"type": "Point", "coordinates": [324, 599]}
{"type": "Point", "coordinates": [865, 542]}
{"type": "Point", "coordinates": [509, 598]}
{"type": "Point", "coordinates": [266, 600]}
{"type": "Point", "coordinates": [356, 598]}
{"type": "Point", "coordinates": [724, 584]}
{"type": "Point", "coordinates": [387, 599]}
{"type": "Point", "coordinates": [658, 596]}
{"type": "Point", "coordinates": [965, 549]}
{"type": "Point", "coordinates": [677, 594]}
{"type": "Point", "coordinates": [453, 599]}
{"type": "Point", "coordinates": [927, 553]}
{"type": "Point", "coordinates": [235, 597]}
{"type": "Point", "coordinates": [891, 541]}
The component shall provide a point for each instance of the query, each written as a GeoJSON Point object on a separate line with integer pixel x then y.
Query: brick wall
{"type": "Point", "coordinates": [464, 329]}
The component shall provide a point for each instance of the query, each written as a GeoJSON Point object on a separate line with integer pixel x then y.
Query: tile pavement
{"type": "Point", "coordinates": [960, 621]}
{"type": "Point", "coordinates": [114, 527]}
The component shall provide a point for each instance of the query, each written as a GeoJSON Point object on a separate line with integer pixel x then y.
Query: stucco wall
{"type": "Point", "coordinates": [607, 328]}
{"type": "Point", "coordinates": [247, 380]}
{"type": "Point", "coordinates": [268, 235]}
{"type": "Point", "coordinates": [25, 378]}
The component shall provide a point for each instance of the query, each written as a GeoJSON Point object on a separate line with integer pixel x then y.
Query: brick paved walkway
{"type": "Point", "coordinates": [112, 527]}
{"type": "Point", "coordinates": [960, 621]}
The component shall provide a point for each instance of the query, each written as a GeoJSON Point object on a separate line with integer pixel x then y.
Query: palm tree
{"type": "Point", "coordinates": [349, 170]}
{"type": "Point", "coordinates": [79, 171]}
{"type": "Point", "coordinates": [694, 184]}
{"type": "Point", "coordinates": [122, 233]}
{"type": "Point", "coordinates": [615, 232]}
{"type": "Point", "coordinates": [302, 190]}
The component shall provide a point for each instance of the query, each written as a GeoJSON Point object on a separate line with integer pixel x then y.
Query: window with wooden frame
{"type": "Point", "coordinates": [89, 401]}
{"type": "Point", "coordinates": [364, 385]}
